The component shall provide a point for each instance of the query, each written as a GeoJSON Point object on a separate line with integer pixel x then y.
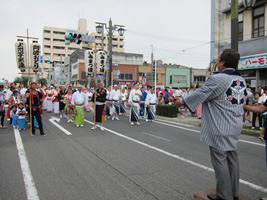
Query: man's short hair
{"type": "Point", "coordinates": [230, 57]}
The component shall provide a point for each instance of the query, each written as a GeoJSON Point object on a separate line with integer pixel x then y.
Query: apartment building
{"type": "Point", "coordinates": [55, 50]}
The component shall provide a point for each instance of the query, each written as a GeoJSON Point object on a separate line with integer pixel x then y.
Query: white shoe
{"type": "Point", "coordinates": [93, 128]}
{"type": "Point", "coordinates": [132, 123]}
{"type": "Point", "coordinates": [81, 125]}
{"type": "Point", "coordinates": [117, 118]}
{"type": "Point", "coordinates": [102, 128]}
{"type": "Point", "coordinates": [113, 118]}
{"type": "Point", "coordinates": [60, 116]}
{"type": "Point", "coordinates": [252, 127]}
{"type": "Point", "coordinates": [77, 126]}
{"type": "Point", "coordinates": [138, 123]}
{"type": "Point", "coordinates": [71, 121]}
{"type": "Point", "coordinates": [146, 120]}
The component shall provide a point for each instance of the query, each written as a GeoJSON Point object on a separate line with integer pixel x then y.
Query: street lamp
{"type": "Point", "coordinates": [248, 4]}
{"type": "Point", "coordinates": [99, 28]}
{"type": "Point", "coordinates": [110, 29]}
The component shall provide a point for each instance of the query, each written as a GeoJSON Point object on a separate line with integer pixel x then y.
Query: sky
{"type": "Point", "coordinates": [179, 30]}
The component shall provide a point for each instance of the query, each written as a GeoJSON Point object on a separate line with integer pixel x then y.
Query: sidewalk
{"type": "Point", "coordinates": [194, 121]}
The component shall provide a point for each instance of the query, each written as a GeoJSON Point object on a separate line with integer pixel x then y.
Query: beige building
{"type": "Point", "coordinates": [252, 40]}
{"type": "Point", "coordinates": [199, 76]}
{"type": "Point", "coordinates": [55, 50]}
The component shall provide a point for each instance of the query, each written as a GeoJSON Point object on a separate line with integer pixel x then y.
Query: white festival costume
{"type": "Point", "coordinates": [134, 99]}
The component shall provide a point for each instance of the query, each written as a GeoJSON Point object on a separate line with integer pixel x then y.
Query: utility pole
{"type": "Point", "coordinates": [110, 28]}
{"type": "Point", "coordinates": [152, 65]}
{"type": "Point", "coordinates": [234, 24]}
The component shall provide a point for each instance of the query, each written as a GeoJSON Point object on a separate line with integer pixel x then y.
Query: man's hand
{"type": "Point", "coordinates": [178, 103]}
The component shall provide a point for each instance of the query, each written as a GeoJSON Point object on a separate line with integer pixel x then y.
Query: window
{"type": "Point", "coordinates": [179, 79]}
{"type": "Point", "coordinates": [57, 40]}
{"type": "Point", "coordinates": [240, 27]}
{"type": "Point", "coordinates": [57, 54]}
{"type": "Point", "coordinates": [59, 33]}
{"type": "Point", "coordinates": [47, 39]}
{"type": "Point", "coordinates": [47, 47]}
{"type": "Point", "coordinates": [258, 22]}
{"type": "Point", "coordinates": [75, 66]}
{"type": "Point", "coordinates": [199, 78]}
{"type": "Point", "coordinates": [47, 54]}
{"type": "Point", "coordinates": [70, 48]}
{"type": "Point", "coordinates": [56, 47]}
{"type": "Point", "coordinates": [126, 76]}
{"type": "Point", "coordinates": [47, 31]}
{"type": "Point", "coordinates": [121, 46]}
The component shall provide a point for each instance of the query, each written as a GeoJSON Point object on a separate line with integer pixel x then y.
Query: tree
{"type": "Point", "coordinates": [42, 81]}
{"type": "Point", "coordinates": [22, 79]}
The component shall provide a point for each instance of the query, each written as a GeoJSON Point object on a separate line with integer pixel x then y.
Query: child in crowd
{"type": "Point", "coordinates": [14, 116]}
{"type": "Point", "coordinates": [21, 113]}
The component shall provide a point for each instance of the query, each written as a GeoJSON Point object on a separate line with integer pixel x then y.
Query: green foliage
{"type": "Point", "coordinates": [167, 110]}
{"type": "Point", "coordinates": [42, 81]}
{"type": "Point", "coordinates": [23, 80]}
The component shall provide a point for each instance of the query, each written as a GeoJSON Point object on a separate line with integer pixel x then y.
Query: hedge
{"type": "Point", "coordinates": [167, 110]}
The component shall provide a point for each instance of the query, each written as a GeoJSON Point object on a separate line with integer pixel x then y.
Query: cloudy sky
{"type": "Point", "coordinates": [179, 30]}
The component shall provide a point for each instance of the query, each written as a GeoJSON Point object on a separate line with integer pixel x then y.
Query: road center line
{"type": "Point", "coordinates": [197, 131]}
{"type": "Point", "coordinates": [251, 185]}
{"type": "Point", "coordinates": [30, 188]}
{"type": "Point", "coordinates": [156, 136]}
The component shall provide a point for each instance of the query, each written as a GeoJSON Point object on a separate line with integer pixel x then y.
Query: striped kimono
{"type": "Point", "coordinates": [223, 97]}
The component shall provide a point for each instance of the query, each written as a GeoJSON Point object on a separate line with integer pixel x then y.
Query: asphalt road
{"type": "Point", "coordinates": [156, 160]}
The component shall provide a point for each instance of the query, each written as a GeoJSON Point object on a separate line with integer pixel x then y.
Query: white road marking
{"type": "Point", "coordinates": [255, 143]}
{"type": "Point", "coordinates": [197, 131]}
{"type": "Point", "coordinates": [53, 119]}
{"type": "Point", "coordinates": [172, 122]}
{"type": "Point", "coordinates": [30, 188]}
{"type": "Point", "coordinates": [251, 185]}
{"type": "Point", "coordinates": [156, 136]}
{"type": "Point", "coordinates": [180, 127]}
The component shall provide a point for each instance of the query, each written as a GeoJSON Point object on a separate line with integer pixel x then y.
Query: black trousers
{"type": "Point", "coordinates": [2, 115]}
{"type": "Point", "coordinates": [36, 113]}
{"type": "Point", "coordinates": [255, 115]}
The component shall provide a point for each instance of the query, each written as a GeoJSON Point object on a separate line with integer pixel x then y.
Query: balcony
{"type": "Point", "coordinates": [47, 35]}
{"type": "Point", "coordinates": [59, 51]}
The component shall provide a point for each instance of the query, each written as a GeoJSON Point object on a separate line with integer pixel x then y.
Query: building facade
{"type": "Point", "coordinates": [55, 50]}
{"type": "Point", "coordinates": [199, 76]}
{"type": "Point", "coordinates": [127, 65]}
{"type": "Point", "coordinates": [147, 71]}
{"type": "Point", "coordinates": [252, 38]}
{"type": "Point", "coordinates": [178, 76]}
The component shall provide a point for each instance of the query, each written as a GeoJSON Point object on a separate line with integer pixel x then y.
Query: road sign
{"type": "Point", "coordinates": [41, 59]}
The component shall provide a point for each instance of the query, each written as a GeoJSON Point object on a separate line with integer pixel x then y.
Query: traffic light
{"type": "Point", "coordinates": [21, 54]}
{"type": "Point", "coordinates": [35, 56]}
{"type": "Point", "coordinates": [101, 58]}
{"type": "Point", "coordinates": [79, 39]}
{"type": "Point", "coordinates": [89, 61]}
{"type": "Point", "coordinates": [73, 37]}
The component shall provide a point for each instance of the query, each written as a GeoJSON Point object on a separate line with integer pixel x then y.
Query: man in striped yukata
{"type": "Point", "coordinates": [223, 97]}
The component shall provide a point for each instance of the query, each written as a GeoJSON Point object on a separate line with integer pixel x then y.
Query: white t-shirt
{"type": "Point", "coordinates": [115, 95]}
{"type": "Point", "coordinates": [262, 99]}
